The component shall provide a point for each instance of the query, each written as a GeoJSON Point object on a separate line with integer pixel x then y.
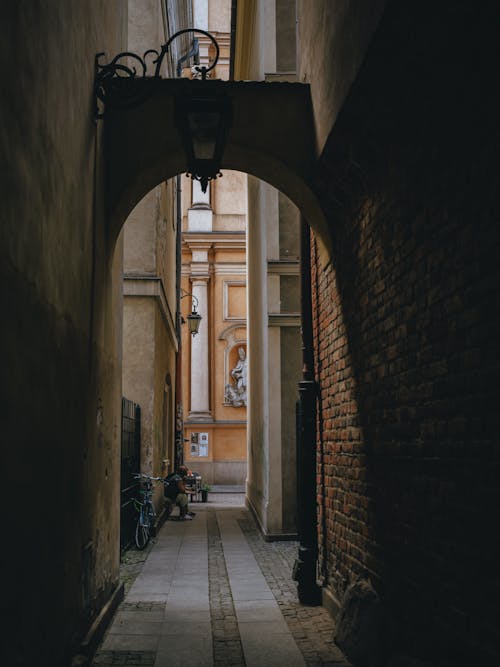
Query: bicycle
{"type": "Point", "coordinates": [145, 507]}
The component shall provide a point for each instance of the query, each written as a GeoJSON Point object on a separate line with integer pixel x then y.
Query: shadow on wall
{"type": "Point", "coordinates": [407, 357]}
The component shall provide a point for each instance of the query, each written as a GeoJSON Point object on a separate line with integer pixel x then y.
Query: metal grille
{"type": "Point", "coordinates": [130, 463]}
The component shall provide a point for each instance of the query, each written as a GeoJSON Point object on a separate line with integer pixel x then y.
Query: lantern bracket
{"type": "Point", "coordinates": [194, 318]}
{"type": "Point", "coordinates": [108, 91]}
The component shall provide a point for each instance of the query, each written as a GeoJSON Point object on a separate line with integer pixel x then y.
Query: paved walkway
{"type": "Point", "coordinates": [211, 592]}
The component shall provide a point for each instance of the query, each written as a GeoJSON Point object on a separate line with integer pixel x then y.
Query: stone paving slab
{"type": "Point", "coordinates": [258, 610]}
{"type": "Point", "coordinates": [140, 616]}
{"type": "Point", "coordinates": [125, 659]}
{"type": "Point", "coordinates": [140, 596]}
{"type": "Point", "coordinates": [187, 616]}
{"type": "Point", "coordinates": [254, 613]}
{"type": "Point", "coordinates": [212, 593]}
{"type": "Point", "coordinates": [240, 595]}
{"type": "Point", "coordinates": [115, 642]}
{"type": "Point", "coordinates": [134, 626]}
{"type": "Point", "coordinates": [282, 652]}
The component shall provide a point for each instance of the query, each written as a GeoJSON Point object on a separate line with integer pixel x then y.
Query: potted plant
{"type": "Point", "coordinates": [204, 492]}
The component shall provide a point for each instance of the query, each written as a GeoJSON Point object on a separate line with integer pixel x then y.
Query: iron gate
{"type": "Point", "coordinates": [130, 464]}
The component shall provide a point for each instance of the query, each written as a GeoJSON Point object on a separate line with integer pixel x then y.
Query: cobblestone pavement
{"type": "Point", "coordinates": [131, 564]}
{"type": "Point", "coordinates": [311, 627]}
{"type": "Point", "coordinates": [226, 634]}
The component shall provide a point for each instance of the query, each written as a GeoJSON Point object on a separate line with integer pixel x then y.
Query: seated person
{"type": "Point", "coordinates": [175, 493]}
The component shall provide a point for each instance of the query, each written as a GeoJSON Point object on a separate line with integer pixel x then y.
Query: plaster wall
{"type": "Point", "coordinates": [333, 36]}
{"type": "Point", "coordinates": [140, 253]}
{"type": "Point", "coordinates": [263, 53]}
{"type": "Point", "coordinates": [289, 237]}
{"type": "Point", "coordinates": [229, 194]}
{"type": "Point", "coordinates": [290, 345]}
{"type": "Point", "coordinates": [145, 25]}
{"type": "Point", "coordinates": [218, 255]}
{"type": "Point", "coordinates": [275, 472]}
{"type": "Point", "coordinates": [225, 448]}
{"type": "Point", "coordinates": [273, 272]}
{"type": "Point", "coordinates": [258, 357]}
{"type": "Point", "coordinates": [60, 381]}
{"type": "Point", "coordinates": [149, 339]}
{"type": "Point", "coordinates": [271, 49]}
{"type": "Point", "coordinates": [162, 441]}
{"type": "Point", "coordinates": [225, 223]}
{"type": "Point", "coordinates": [219, 16]}
{"type": "Point", "coordinates": [166, 259]}
{"type": "Point", "coordinates": [285, 35]}
{"type": "Point", "coordinates": [200, 11]}
{"type": "Point", "coordinates": [138, 365]}
{"type": "Point", "coordinates": [226, 461]}
{"type": "Point", "coordinates": [150, 291]}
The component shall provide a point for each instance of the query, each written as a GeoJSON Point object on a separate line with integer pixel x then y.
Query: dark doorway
{"type": "Point", "coordinates": [130, 464]}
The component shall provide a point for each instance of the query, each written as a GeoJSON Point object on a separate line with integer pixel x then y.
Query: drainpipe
{"type": "Point", "coordinates": [179, 424]}
{"type": "Point", "coordinates": [304, 570]}
{"type": "Point", "coordinates": [179, 430]}
{"type": "Point", "coordinates": [232, 46]}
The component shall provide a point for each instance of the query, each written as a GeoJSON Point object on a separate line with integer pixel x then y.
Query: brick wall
{"type": "Point", "coordinates": [407, 334]}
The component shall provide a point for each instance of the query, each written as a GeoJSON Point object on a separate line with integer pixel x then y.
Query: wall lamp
{"type": "Point", "coordinates": [202, 111]}
{"type": "Point", "coordinates": [194, 318]}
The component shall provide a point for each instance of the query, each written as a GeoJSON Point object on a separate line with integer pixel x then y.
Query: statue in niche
{"type": "Point", "coordinates": [236, 393]}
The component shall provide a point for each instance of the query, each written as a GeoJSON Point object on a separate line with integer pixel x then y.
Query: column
{"type": "Point", "coordinates": [200, 215]}
{"type": "Point", "coordinates": [200, 395]}
{"type": "Point", "coordinates": [258, 395]}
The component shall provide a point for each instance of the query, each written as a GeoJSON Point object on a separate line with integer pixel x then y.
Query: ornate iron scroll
{"type": "Point", "coordinates": [108, 86]}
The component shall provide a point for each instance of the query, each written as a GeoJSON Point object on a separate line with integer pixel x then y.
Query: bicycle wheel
{"type": "Point", "coordinates": [142, 531]}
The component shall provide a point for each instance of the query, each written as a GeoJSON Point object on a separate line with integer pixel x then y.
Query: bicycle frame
{"type": "Point", "coordinates": [145, 507]}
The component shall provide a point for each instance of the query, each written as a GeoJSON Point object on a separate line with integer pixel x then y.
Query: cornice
{"type": "Point", "coordinates": [215, 423]}
{"type": "Point", "coordinates": [210, 236]}
{"type": "Point", "coordinates": [152, 287]}
{"type": "Point", "coordinates": [230, 268]}
{"type": "Point", "coordinates": [284, 319]}
{"type": "Point", "coordinates": [284, 267]}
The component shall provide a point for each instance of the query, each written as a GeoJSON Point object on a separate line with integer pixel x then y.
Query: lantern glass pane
{"type": "Point", "coordinates": [203, 129]}
{"type": "Point", "coordinates": [193, 322]}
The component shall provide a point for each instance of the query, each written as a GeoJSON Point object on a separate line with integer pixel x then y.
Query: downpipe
{"type": "Point", "coordinates": [305, 567]}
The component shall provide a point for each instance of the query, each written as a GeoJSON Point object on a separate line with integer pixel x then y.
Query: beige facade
{"type": "Point", "coordinates": [150, 341]}
{"type": "Point", "coordinates": [214, 271]}
{"type": "Point", "coordinates": [149, 335]}
{"type": "Point", "coordinates": [265, 51]}
{"type": "Point", "coordinates": [68, 185]}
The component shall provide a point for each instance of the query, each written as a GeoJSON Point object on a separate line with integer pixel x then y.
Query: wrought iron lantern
{"type": "Point", "coordinates": [194, 318]}
{"type": "Point", "coordinates": [202, 111]}
{"type": "Point", "coordinates": [202, 119]}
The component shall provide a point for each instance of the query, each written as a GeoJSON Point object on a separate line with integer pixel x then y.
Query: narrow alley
{"type": "Point", "coordinates": [211, 591]}
{"type": "Point", "coordinates": [251, 244]}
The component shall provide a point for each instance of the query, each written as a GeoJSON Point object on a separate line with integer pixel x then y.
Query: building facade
{"type": "Point", "coordinates": [214, 272]}
{"type": "Point", "coordinates": [265, 51]}
{"type": "Point", "coordinates": [150, 281]}
{"type": "Point", "coordinates": [149, 328]}
{"type": "Point", "coordinates": [403, 182]}
{"type": "Point", "coordinates": [214, 377]}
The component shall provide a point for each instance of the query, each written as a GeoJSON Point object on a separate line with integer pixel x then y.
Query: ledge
{"type": "Point", "coordinates": [284, 320]}
{"type": "Point", "coordinates": [330, 603]}
{"type": "Point", "coordinates": [96, 631]}
{"type": "Point", "coordinates": [151, 286]}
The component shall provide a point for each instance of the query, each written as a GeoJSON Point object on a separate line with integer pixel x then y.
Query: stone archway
{"type": "Point", "coordinates": [271, 137]}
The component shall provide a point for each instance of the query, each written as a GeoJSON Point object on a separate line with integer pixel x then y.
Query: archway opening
{"type": "Point", "coordinates": [234, 396]}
